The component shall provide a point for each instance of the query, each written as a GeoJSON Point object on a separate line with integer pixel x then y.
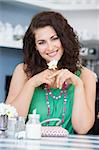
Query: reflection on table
{"type": "Point", "coordinates": [72, 142]}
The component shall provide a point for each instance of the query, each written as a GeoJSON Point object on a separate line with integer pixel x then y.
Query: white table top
{"type": "Point", "coordinates": [72, 142]}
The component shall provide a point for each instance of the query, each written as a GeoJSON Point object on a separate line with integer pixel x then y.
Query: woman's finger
{"type": "Point", "coordinates": [54, 74]}
{"type": "Point", "coordinates": [61, 78]}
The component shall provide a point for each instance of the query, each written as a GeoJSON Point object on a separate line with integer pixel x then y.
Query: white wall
{"type": "Point", "coordinates": [98, 25]}
{"type": "Point", "coordinates": [85, 19]}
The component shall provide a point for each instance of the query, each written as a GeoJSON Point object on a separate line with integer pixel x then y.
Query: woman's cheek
{"type": "Point", "coordinates": [42, 49]}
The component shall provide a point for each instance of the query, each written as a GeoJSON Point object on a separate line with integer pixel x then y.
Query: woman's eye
{"type": "Point", "coordinates": [42, 42]}
{"type": "Point", "coordinates": [55, 38]}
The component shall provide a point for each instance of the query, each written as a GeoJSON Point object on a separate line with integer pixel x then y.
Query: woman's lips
{"type": "Point", "coordinates": [52, 54]}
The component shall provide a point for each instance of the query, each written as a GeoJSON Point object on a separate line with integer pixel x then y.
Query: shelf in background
{"type": "Point", "coordinates": [12, 44]}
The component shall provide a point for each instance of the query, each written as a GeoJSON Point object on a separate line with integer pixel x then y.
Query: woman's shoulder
{"type": "Point", "coordinates": [19, 70]}
{"type": "Point", "coordinates": [87, 73]}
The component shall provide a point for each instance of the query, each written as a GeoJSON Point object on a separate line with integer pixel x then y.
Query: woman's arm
{"type": "Point", "coordinates": [83, 114]}
{"type": "Point", "coordinates": [22, 89]}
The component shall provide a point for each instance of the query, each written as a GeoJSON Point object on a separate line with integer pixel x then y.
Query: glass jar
{"type": "Point", "coordinates": [20, 124]}
{"type": "Point", "coordinates": [12, 123]}
{"type": "Point", "coordinates": [3, 122]}
{"type": "Point", "coordinates": [33, 127]}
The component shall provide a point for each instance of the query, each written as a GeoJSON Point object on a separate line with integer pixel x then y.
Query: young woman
{"type": "Point", "coordinates": [67, 92]}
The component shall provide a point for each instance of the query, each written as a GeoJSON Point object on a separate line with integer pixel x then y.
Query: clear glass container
{"type": "Point", "coordinates": [12, 124]}
{"type": "Point", "coordinates": [20, 124]}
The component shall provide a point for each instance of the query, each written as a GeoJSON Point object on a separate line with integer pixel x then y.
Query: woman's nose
{"type": "Point", "coordinates": [49, 46]}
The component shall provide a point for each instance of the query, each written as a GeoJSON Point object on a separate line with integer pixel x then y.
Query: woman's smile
{"type": "Point", "coordinates": [52, 53]}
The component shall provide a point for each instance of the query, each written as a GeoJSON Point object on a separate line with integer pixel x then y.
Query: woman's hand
{"type": "Point", "coordinates": [43, 77]}
{"type": "Point", "coordinates": [64, 75]}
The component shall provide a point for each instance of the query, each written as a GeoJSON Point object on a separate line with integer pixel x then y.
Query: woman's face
{"type": "Point", "coordinates": [48, 43]}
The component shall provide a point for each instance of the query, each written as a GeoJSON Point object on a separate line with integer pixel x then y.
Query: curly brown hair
{"type": "Point", "coordinates": [33, 61]}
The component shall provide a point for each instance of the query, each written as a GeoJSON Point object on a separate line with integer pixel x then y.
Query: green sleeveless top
{"type": "Point", "coordinates": [38, 102]}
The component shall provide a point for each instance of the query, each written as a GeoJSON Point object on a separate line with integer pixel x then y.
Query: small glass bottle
{"type": "Point", "coordinates": [33, 127]}
{"type": "Point", "coordinates": [20, 124]}
{"type": "Point", "coordinates": [12, 122]}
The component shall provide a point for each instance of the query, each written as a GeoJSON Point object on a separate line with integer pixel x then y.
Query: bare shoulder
{"type": "Point", "coordinates": [18, 80]}
{"type": "Point", "coordinates": [19, 71]}
{"type": "Point", "coordinates": [19, 67]}
{"type": "Point", "coordinates": [87, 74]}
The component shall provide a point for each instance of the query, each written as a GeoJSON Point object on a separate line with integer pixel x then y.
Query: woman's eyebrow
{"type": "Point", "coordinates": [41, 40]}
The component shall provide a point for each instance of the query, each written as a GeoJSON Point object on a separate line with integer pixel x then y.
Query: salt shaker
{"type": "Point", "coordinates": [33, 126]}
